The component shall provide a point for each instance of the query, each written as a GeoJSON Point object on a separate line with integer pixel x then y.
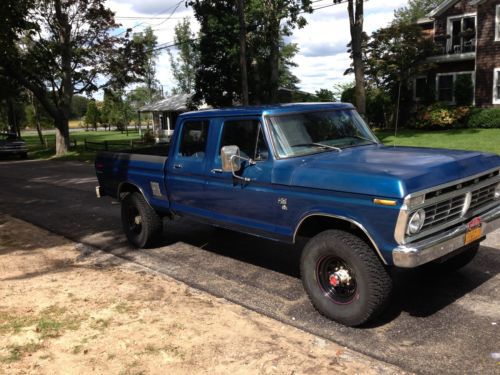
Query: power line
{"type": "Point", "coordinates": [166, 45]}
{"type": "Point", "coordinates": [176, 6]}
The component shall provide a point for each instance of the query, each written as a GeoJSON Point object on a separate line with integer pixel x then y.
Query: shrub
{"type": "Point", "coordinates": [484, 118]}
{"type": "Point", "coordinates": [438, 116]}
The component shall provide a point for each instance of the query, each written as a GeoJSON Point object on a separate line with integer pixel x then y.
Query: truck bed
{"type": "Point", "coordinates": [140, 167]}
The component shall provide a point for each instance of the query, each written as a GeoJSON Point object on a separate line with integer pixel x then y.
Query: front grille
{"type": "Point", "coordinates": [442, 212]}
{"type": "Point", "coordinates": [482, 196]}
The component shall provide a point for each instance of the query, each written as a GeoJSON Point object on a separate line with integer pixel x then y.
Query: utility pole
{"type": "Point", "coordinates": [243, 52]}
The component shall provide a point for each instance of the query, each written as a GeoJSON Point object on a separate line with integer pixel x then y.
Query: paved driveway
{"type": "Point", "coordinates": [436, 324]}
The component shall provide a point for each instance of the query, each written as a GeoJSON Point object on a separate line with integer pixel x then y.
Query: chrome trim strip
{"type": "Point", "coordinates": [416, 254]}
{"type": "Point", "coordinates": [455, 182]}
{"type": "Point", "coordinates": [357, 224]}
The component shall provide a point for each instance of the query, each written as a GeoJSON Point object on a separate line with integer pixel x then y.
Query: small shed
{"type": "Point", "coordinates": [165, 113]}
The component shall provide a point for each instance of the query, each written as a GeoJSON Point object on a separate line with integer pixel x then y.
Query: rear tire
{"type": "Point", "coordinates": [344, 278]}
{"type": "Point", "coordinates": [141, 224]}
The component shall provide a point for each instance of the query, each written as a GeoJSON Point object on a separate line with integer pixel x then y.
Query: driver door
{"type": "Point", "coordinates": [233, 202]}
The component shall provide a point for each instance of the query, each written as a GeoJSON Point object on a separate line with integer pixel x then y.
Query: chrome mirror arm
{"type": "Point", "coordinates": [250, 162]}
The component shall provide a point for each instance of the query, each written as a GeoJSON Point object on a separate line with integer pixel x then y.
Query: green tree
{"type": "Point", "coordinates": [117, 110]}
{"type": "Point", "coordinates": [414, 10]}
{"type": "Point", "coordinates": [394, 55]}
{"type": "Point", "coordinates": [67, 47]}
{"type": "Point", "coordinates": [325, 95]}
{"type": "Point", "coordinates": [268, 58]}
{"type": "Point", "coordinates": [78, 106]}
{"type": "Point", "coordinates": [187, 58]}
{"type": "Point", "coordinates": [148, 39]}
{"type": "Point", "coordinates": [92, 115]}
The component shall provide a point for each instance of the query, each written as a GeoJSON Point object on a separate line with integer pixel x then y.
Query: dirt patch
{"type": "Point", "coordinates": [66, 309]}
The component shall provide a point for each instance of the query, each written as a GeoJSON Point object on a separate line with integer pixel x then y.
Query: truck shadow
{"type": "Point", "coordinates": [420, 292]}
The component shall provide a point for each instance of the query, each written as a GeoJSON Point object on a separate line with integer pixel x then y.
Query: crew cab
{"type": "Point", "coordinates": [314, 171]}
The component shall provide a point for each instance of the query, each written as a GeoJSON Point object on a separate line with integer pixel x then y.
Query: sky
{"type": "Point", "coordinates": [322, 58]}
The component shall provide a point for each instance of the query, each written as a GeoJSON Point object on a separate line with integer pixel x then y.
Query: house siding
{"type": "Point", "coordinates": [488, 53]}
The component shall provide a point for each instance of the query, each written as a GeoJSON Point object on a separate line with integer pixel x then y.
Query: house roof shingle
{"type": "Point", "coordinates": [174, 103]}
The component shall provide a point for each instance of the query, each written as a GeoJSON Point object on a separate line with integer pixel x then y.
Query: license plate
{"type": "Point", "coordinates": [472, 235]}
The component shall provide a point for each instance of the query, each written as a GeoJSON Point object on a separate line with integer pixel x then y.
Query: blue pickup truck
{"type": "Point", "coordinates": [313, 171]}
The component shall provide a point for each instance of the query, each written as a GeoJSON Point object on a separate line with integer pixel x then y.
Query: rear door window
{"type": "Point", "coordinates": [194, 138]}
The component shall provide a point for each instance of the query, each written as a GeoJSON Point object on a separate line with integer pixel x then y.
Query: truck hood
{"type": "Point", "coordinates": [382, 170]}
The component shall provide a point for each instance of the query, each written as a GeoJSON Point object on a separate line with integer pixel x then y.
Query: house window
{"type": "Point", "coordinates": [445, 88]}
{"type": "Point", "coordinates": [496, 86]}
{"type": "Point", "coordinates": [419, 88]}
{"type": "Point", "coordinates": [497, 24]}
{"type": "Point", "coordinates": [462, 32]}
{"type": "Point", "coordinates": [445, 85]}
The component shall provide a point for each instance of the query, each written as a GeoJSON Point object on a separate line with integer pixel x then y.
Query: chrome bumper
{"type": "Point", "coordinates": [414, 254]}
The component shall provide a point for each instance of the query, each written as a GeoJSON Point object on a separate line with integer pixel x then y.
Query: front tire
{"type": "Point", "coordinates": [344, 278]}
{"type": "Point", "coordinates": [141, 224]}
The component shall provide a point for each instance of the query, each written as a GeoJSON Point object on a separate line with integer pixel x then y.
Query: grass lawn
{"type": "Point", "coordinates": [37, 151]}
{"type": "Point", "coordinates": [487, 140]}
{"type": "Point", "coordinates": [464, 139]}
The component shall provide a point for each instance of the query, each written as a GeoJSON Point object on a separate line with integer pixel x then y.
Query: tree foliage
{"type": "Point", "coordinates": [59, 48]}
{"type": "Point", "coordinates": [269, 59]}
{"type": "Point", "coordinates": [92, 115]}
{"type": "Point", "coordinates": [414, 10]}
{"type": "Point", "coordinates": [185, 62]}
{"type": "Point", "coordinates": [116, 110]}
{"type": "Point", "coordinates": [149, 41]}
{"type": "Point", "coordinates": [395, 55]}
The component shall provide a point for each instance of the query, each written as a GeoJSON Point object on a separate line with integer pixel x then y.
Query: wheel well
{"type": "Point", "coordinates": [316, 224]}
{"type": "Point", "coordinates": [126, 189]}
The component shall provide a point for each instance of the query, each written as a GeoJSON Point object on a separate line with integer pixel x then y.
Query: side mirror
{"type": "Point", "coordinates": [231, 159]}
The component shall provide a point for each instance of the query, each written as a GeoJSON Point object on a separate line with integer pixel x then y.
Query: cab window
{"type": "Point", "coordinates": [194, 137]}
{"type": "Point", "coordinates": [248, 136]}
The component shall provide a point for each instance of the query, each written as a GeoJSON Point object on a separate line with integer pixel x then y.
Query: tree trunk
{"type": "Point", "coordinates": [62, 136]}
{"type": "Point", "coordinates": [12, 118]}
{"type": "Point", "coordinates": [37, 123]}
{"type": "Point", "coordinates": [273, 36]}
{"type": "Point", "coordinates": [356, 29]}
{"type": "Point", "coordinates": [36, 113]}
{"type": "Point", "coordinates": [62, 131]}
{"type": "Point", "coordinates": [243, 52]}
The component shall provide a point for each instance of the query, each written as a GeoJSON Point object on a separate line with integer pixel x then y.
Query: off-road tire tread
{"type": "Point", "coordinates": [381, 282]}
{"type": "Point", "coordinates": [152, 223]}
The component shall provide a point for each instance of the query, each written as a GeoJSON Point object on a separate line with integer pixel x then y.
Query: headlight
{"type": "Point", "coordinates": [416, 222]}
{"type": "Point", "coordinates": [497, 191]}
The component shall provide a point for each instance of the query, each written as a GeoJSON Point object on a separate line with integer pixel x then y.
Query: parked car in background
{"type": "Point", "coordinates": [11, 144]}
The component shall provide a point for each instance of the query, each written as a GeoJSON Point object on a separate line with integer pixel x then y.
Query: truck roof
{"type": "Point", "coordinates": [268, 109]}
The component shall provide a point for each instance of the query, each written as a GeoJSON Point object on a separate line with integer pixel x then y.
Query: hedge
{"type": "Point", "coordinates": [484, 118]}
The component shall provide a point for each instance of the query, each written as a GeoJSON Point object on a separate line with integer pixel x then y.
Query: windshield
{"type": "Point", "coordinates": [309, 133]}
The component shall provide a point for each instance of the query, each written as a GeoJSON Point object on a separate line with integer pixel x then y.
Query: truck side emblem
{"type": "Point", "coordinates": [283, 203]}
{"type": "Point", "coordinates": [155, 188]}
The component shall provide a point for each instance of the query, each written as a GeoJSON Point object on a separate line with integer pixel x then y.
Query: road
{"type": "Point", "coordinates": [435, 324]}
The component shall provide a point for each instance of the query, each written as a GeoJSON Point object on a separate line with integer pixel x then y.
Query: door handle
{"type": "Point", "coordinates": [216, 170]}
{"type": "Point", "coordinates": [178, 166]}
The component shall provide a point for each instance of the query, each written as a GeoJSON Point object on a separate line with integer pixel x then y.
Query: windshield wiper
{"type": "Point", "coordinates": [319, 145]}
{"type": "Point", "coordinates": [363, 138]}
